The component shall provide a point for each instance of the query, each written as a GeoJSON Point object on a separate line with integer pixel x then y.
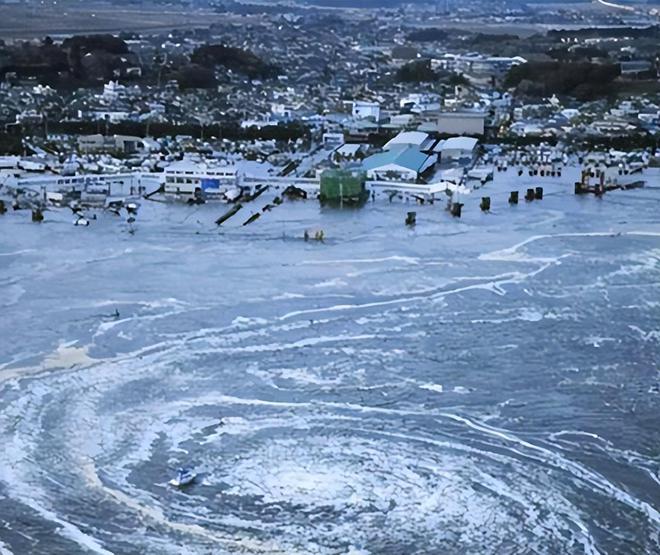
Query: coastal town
{"type": "Point", "coordinates": [329, 277]}
{"type": "Point", "coordinates": [338, 104]}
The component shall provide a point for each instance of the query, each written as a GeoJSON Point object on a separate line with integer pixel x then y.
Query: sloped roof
{"type": "Point", "coordinates": [416, 138]}
{"type": "Point", "coordinates": [408, 157]}
{"type": "Point", "coordinates": [186, 165]}
{"type": "Point", "coordinates": [457, 143]}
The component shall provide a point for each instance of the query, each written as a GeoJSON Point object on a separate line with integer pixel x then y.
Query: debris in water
{"type": "Point", "coordinates": [252, 218]}
{"type": "Point", "coordinates": [232, 211]}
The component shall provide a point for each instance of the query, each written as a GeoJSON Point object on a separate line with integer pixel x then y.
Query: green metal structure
{"type": "Point", "coordinates": [340, 187]}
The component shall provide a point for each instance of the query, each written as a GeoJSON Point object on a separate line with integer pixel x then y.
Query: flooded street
{"type": "Point", "coordinates": [482, 385]}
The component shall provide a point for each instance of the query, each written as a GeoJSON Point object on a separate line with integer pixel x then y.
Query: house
{"type": "Point", "coordinates": [113, 91]}
{"type": "Point", "coordinates": [398, 162]}
{"type": "Point", "coordinates": [635, 67]}
{"type": "Point", "coordinates": [398, 121]}
{"type": "Point", "coordinates": [404, 52]}
{"type": "Point", "coordinates": [457, 148]}
{"type": "Point", "coordinates": [333, 139]}
{"type": "Point", "coordinates": [9, 162]}
{"type": "Point", "coordinates": [351, 151]}
{"type": "Point", "coordinates": [419, 103]}
{"type": "Point", "coordinates": [366, 110]}
{"type": "Point", "coordinates": [111, 115]}
{"type": "Point", "coordinates": [126, 144]}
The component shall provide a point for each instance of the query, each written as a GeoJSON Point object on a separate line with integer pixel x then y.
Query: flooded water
{"type": "Point", "coordinates": [482, 385]}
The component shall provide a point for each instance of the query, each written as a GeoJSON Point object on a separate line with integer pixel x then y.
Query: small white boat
{"type": "Point", "coordinates": [184, 476]}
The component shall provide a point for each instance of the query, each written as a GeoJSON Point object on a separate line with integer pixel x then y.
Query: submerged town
{"type": "Point", "coordinates": [419, 102]}
{"type": "Point", "coordinates": [329, 277]}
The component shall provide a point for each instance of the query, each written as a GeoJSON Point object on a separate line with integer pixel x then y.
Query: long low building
{"type": "Point", "coordinates": [461, 123]}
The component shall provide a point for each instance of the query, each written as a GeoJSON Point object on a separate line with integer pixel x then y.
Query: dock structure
{"type": "Point", "coordinates": [137, 183]}
{"type": "Point", "coordinates": [106, 185]}
{"type": "Point", "coordinates": [426, 189]}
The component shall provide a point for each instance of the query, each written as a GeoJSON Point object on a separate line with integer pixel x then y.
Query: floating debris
{"type": "Point", "coordinates": [318, 235]}
{"type": "Point", "coordinates": [231, 212]}
{"type": "Point", "coordinates": [184, 477]}
{"type": "Point", "coordinates": [160, 189]}
{"type": "Point", "coordinates": [132, 208]}
{"type": "Point", "coordinates": [234, 194]}
{"type": "Point", "coordinates": [260, 190]}
{"type": "Point", "coordinates": [252, 218]}
{"type": "Point", "coordinates": [37, 215]}
{"type": "Point", "coordinates": [294, 193]}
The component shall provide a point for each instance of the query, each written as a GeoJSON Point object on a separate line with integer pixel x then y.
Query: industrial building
{"type": "Point", "coordinates": [457, 148]}
{"type": "Point", "coordinates": [419, 139]}
{"type": "Point", "coordinates": [461, 123]}
{"type": "Point", "coordinates": [399, 162]}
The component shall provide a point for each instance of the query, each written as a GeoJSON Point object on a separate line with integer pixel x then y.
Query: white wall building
{"type": "Point", "coordinates": [366, 110]}
{"type": "Point", "coordinates": [457, 148]}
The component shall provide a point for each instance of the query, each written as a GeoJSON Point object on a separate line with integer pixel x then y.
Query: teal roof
{"type": "Point", "coordinates": [405, 156]}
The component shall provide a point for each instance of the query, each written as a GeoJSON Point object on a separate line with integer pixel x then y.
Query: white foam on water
{"type": "Point", "coordinates": [334, 282]}
{"type": "Point", "coordinates": [12, 294]}
{"type": "Point", "coordinates": [242, 322]}
{"type": "Point", "coordinates": [462, 390]}
{"type": "Point", "coordinates": [406, 259]}
{"type": "Point", "coordinates": [437, 388]}
{"type": "Point", "coordinates": [105, 327]}
{"type": "Point", "coordinates": [288, 296]}
{"type": "Point", "coordinates": [588, 476]}
{"type": "Point", "coordinates": [651, 335]}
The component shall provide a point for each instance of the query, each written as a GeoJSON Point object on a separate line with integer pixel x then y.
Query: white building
{"type": "Point", "coordinates": [333, 139]}
{"type": "Point", "coordinates": [457, 148]}
{"type": "Point", "coordinates": [112, 91]}
{"type": "Point", "coordinates": [366, 110]}
{"type": "Point", "coordinates": [188, 178]}
{"type": "Point", "coordinates": [419, 103]}
{"type": "Point", "coordinates": [411, 138]}
{"type": "Point", "coordinates": [127, 144]}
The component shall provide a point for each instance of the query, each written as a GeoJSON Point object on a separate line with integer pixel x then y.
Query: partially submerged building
{"type": "Point", "coordinates": [399, 162]}
{"type": "Point", "coordinates": [457, 148]}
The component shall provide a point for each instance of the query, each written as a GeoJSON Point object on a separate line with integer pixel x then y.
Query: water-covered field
{"type": "Point", "coordinates": [483, 385]}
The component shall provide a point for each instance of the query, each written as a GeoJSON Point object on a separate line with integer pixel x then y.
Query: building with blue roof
{"type": "Point", "coordinates": [405, 162]}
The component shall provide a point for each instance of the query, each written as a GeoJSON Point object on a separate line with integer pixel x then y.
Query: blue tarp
{"type": "Point", "coordinates": [210, 184]}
